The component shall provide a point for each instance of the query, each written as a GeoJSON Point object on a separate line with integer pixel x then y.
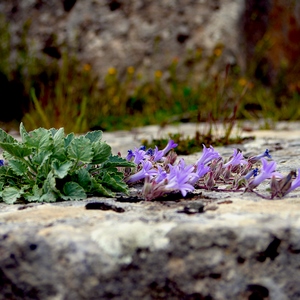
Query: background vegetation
{"type": "Point", "coordinates": [47, 92]}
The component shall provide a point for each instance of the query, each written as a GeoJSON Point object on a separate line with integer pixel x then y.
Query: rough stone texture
{"type": "Point", "coordinates": [116, 33]}
{"type": "Point", "coordinates": [150, 34]}
{"type": "Point", "coordinates": [230, 246]}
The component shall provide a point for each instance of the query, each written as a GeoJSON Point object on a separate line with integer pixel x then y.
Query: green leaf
{"type": "Point", "coordinates": [40, 139]}
{"type": "Point", "coordinates": [53, 131]}
{"type": "Point", "coordinates": [40, 158]}
{"type": "Point", "coordinates": [6, 138]}
{"type": "Point", "coordinates": [59, 137]}
{"type": "Point", "coordinates": [84, 179]}
{"type": "Point", "coordinates": [68, 139]}
{"type": "Point", "coordinates": [94, 136]}
{"type": "Point", "coordinates": [59, 151]}
{"type": "Point", "coordinates": [49, 184]}
{"type": "Point", "coordinates": [24, 134]}
{"type": "Point", "coordinates": [35, 194]}
{"type": "Point", "coordinates": [99, 189]}
{"type": "Point", "coordinates": [73, 191]}
{"type": "Point", "coordinates": [102, 151]}
{"type": "Point", "coordinates": [117, 161]}
{"type": "Point", "coordinates": [61, 169]}
{"type": "Point", "coordinates": [48, 197]}
{"type": "Point", "coordinates": [114, 183]}
{"type": "Point", "coordinates": [80, 149]}
{"type": "Point", "coordinates": [18, 167]}
{"type": "Point", "coordinates": [11, 194]}
{"type": "Point", "coordinates": [16, 149]}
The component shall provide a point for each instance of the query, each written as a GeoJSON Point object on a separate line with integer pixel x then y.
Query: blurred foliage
{"type": "Point", "coordinates": [65, 92]}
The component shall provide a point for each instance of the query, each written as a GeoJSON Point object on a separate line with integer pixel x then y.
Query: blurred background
{"type": "Point", "coordinates": [119, 64]}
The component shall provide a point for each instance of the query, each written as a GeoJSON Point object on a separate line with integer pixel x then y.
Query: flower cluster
{"type": "Point", "coordinates": [162, 174]}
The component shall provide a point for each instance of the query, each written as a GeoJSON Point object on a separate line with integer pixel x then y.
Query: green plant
{"type": "Point", "coordinates": [48, 166]}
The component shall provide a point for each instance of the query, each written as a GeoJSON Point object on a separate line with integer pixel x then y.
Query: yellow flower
{"type": "Point", "coordinates": [158, 74]}
{"type": "Point", "coordinates": [217, 52]}
{"type": "Point", "coordinates": [87, 67]}
{"type": "Point", "coordinates": [112, 71]}
{"type": "Point", "coordinates": [130, 70]}
{"type": "Point", "coordinates": [242, 81]}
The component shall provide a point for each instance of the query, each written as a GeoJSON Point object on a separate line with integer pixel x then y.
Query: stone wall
{"type": "Point", "coordinates": [150, 34]}
{"type": "Point", "coordinates": [116, 33]}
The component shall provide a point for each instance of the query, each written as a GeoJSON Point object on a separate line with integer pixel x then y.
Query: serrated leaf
{"type": "Point", "coordinates": [48, 197]}
{"type": "Point", "coordinates": [80, 149]}
{"type": "Point", "coordinates": [18, 167]}
{"type": "Point", "coordinates": [16, 149]}
{"type": "Point", "coordinates": [59, 151]}
{"type": "Point", "coordinates": [73, 191]}
{"type": "Point", "coordinates": [53, 131]}
{"type": "Point", "coordinates": [94, 136]}
{"type": "Point", "coordinates": [49, 184]}
{"type": "Point", "coordinates": [114, 183]}
{"type": "Point", "coordinates": [58, 137]}
{"type": "Point", "coordinates": [61, 169]}
{"type": "Point", "coordinates": [6, 138]}
{"type": "Point", "coordinates": [99, 189]}
{"type": "Point", "coordinates": [102, 152]}
{"type": "Point", "coordinates": [117, 161]}
{"type": "Point", "coordinates": [40, 139]}
{"type": "Point", "coordinates": [35, 194]}
{"type": "Point", "coordinates": [84, 179]}
{"type": "Point", "coordinates": [24, 134]}
{"type": "Point", "coordinates": [40, 158]}
{"type": "Point", "coordinates": [11, 194]}
{"type": "Point", "coordinates": [68, 139]}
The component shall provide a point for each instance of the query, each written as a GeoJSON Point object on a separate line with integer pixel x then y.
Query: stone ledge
{"type": "Point", "coordinates": [233, 246]}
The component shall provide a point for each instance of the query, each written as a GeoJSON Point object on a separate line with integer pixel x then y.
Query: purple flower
{"type": "Point", "coordinates": [1, 162]}
{"type": "Point", "coordinates": [158, 154]}
{"type": "Point", "coordinates": [295, 184]}
{"type": "Point", "coordinates": [161, 174]}
{"type": "Point", "coordinates": [130, 155]}
{"type": "Point", "coordinates": [251, 173]}
{"type": "Point", "coordinates": [256, 158]}
{"type": "Point", "coordinates": [139, 155]}
{"type": "Point", "coordinates": [200, 171]}
{"type": "Point", "coordinates": [178, 178]}
{"type": "Point", "coordinates": [171, 144]}
{"type": "Point", "coordinates": [208, 155]}
{"type": "Point", "coordinates": [267, 171]}
{"type": "Point", "coordinates": [145, 171]}
{"type": "Point", "coordinates": [149, 152]}
{"type": "Point", "coordinates": [237, 159]}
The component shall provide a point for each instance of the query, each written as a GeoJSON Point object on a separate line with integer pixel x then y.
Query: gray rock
{"type": "Point", "coordinates": [145, 34]}
{"type": "Point", "coordinates": [216, 245]}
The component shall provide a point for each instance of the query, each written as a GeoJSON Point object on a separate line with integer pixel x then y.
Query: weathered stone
{"type": "Point", "coordinates": [147, 35]}
{"type": "Point", "coordinates": [238, 246]}
{"type": "Point", "coordinates": [261, 36]}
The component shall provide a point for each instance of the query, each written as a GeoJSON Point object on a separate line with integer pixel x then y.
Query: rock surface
{"type": "Point", "coordinates": [260, 35]}
{"type": "Point", "coordinates": [116, 33]}
{"type": "Point", "coordinates": [215, 245]}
